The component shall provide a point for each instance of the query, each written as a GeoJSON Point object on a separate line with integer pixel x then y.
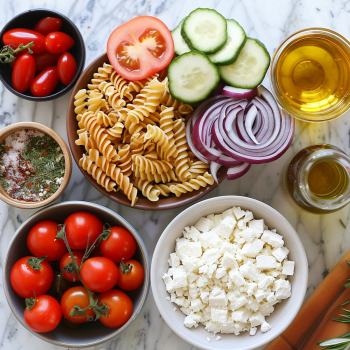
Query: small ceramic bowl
{"type": "Point", "coordinates": [142, 203]}
{"type": "Point", "coordinates": [284, 312]}
{"type": "Point", "coordinates": [27, 20]}
{"type": "Point", "coordinates": [67, 158]}
{"type": "Point", "coordinates": [92, 333]}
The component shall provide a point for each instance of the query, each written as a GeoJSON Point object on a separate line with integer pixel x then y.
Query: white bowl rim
{"type": "Point", "coordinates": [302, 261]}
{"type": "Point", "coordinates": [145, 255]}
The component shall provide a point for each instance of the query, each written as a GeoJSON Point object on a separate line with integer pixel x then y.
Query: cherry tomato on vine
{"type": "Point", "coordinates": [99, 274]}
{"type": "Point", "coordinates": [66, 259]}
{"type": "Point", "coordinates": [47, 25]}
{"type": "Point", "coordinates": [79, 226]}
{"type": "Point", "coordinates": [119, 245]}
{"type": "Point", "coordinates": [131, 275]}
{"type": "Point", "coordinates": [76, 296]}
{"type": "Point", "coordinates": [67, 68]}
{"type": "Point", "coordinates": [42, 241]}
{"type": "Point", "coordinates": [44, 60]}
{"type": "Point", "coordinates": [121, 308]}
{"type": "Point", "coordinates": [25, 36]}
{"type": "Point", "coordinates": [23, 72]}
{"type": "Point", "coordinates": [44, 83]}
{"type": "Point", "coordinates": [24, 279]}
{"type": "Point", "coordinates": [45, 315]}
{"type": "Point", "coordinates": [58, 42]}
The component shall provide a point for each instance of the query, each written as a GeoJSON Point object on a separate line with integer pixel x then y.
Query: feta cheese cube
{"type": "Point", "coordinates": [249, 271]}
{"type": "Point", "coordinates": [185, 310]}
{"type": "Point", "coordinates": [179, 278]}
{"type": "Point", "coordinates": [228, 260]}
{"type": "Point", "coordinates": [211, 326]}
{"type": "Point", "coordinates": [169, 283]}
{"type": "Point", "coordinates": [180, 301]}
{"type": "Point", "coordinates": [265, 262]}
{"type": "Point", "coordinates": [211, 255]}
{"type": "Point", "coordinates": [204, 224]}
{"type": "Point", "coordinates": [226, 227]}
{"type": "Point", "coordinates": [248, 235]}
{"type": "Point", "coordinates": [218, 219]}
{"type": "Point", "coordinates": [259, 295]}
{"type": "Point", "coordinates": [219, 315]}
{"type": "Point", "coordinates": [288, 268]}
{"type": "Point", "coordinates": [241, 224]}
{"type": "Point", "coordinates": [227, 213]}
{"type": "Point", "coordinates": [241, 315]}
{"type": "Point", "coordinates": [205, 297]}
{"type": "Point", "coordinates": [192, 276]}
{"type": "Point", "coordinates": [272, 238]}
{"type": "Point", "coordinates": [187, 303]}
{"type": "Point", "coordinates": [206, 237]}
{"type": "Point", "coordinates": [219, 300]}
{"type": "Point", "coordinates": [174, 260]}
{"type": "Point", "coordinates": [236, 278]}
{"type": "Point", "coordinates": [252, 304]}
{"type": "Point", "coordinates": [250, 288]}
{"type": "Point", "coordinates": [184, 247]}
{"type": "Point", "coordinates": [220, 272]}
{"type": "Point", "coordinates": [196, 305]}
{"type": "Point", "coordinates": [281, 284]}
{"type": "Point", "coordinates": [265, 327]}
{"type": "Point", "coordinates": [280, 253]}
{"type": "Point", "coordinates": [256, 319]}
{"type": "Point", "coordinates": [252, 249]}
{"type": "Point", "coordinates": [211, 217]}
{"type": "Point", "coordinates": [265, 282]}
{"type": "Point", "coordinates": [257, 226]}
{"type": "Point", "coordinates": [283, 293]}
{"type": "Point", "coordinates": [253, 331]}
{"type": "Point", "coordinates": [203, 269]}
{"type": "Point", "coordinates": [189, 322]}
{"type": "Point", "coordinates": [192, 233]}
{"type": "Point", "coordinates": [202, 281]}
{"type": "Point", "coordinates": [191, 263]}
{"type": "Point", "coordinates": [236, 301]}
{"type": "Point", "coordinates": [271, 299]}
{"type": "Point", "coordinates": [226, 247]}
{"type": "Point", "coordinates": [248, 216]}
{"type": "Point", "coordinates": [239, 213]}
{"type": "Point", "coordinates": [211, 270]}
{"type": "Point", "coordinates": [266, 309]}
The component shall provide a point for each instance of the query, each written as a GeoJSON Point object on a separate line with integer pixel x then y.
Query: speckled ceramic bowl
{"type": "Point", "coordinates": [89, 334]}
{"type": "Point", "coordinates": [284, 313]}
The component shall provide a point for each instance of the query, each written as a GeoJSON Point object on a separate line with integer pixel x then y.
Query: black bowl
{"type": "Point", "coordinates": [27, 20]}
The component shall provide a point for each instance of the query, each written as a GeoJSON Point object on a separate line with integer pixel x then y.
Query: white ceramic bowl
{"type": "Point", "coordinates": [284, 312]}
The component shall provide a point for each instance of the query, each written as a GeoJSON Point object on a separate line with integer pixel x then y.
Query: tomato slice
{"type": "Point", "coordinates": [140, 47]}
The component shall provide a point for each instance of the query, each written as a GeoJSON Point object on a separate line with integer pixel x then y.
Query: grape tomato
{"type": "Point", "coordinates": [45, 60]}
{"type": "Point", "coordinates": [67, 68]}
{"type": "Point", "coordinates": [23, 72]}
{"type": "Point", "coordinates": [25, 36]}
{"type": "Point", "coordinates": [47, 25]}
{"type": "Point", "coordinates": [58, 42]}
{"type": "Point", "coordinates": [44, 83]}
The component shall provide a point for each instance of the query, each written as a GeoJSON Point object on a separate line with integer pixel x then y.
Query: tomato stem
{"type": "Point", "coordinates": [30, 302]}
{"type": "Point", "coordinates": [100, 310]}
{"type": "Point", "coordinates": [35, 263]}
{"type": "Point", "coordinates": [7, 53]}
{"type": "Point", "coordinates": [126, 268]}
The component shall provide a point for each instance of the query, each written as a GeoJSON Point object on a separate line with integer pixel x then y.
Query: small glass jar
{"type": "Point", "coordinates": [304, 185]}
{"type": "Point", "coordinates": [308, 76]}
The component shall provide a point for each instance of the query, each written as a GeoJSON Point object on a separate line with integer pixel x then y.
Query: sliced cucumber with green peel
{"type": "Point", "coordinates": [249, 70]}
{"type": "Point", "coordinates": [236, 39]}
{"type": "Point", "coordinates": [204, 30]}
{"type": "Point", "coordinates": [179, 42]}
{"type": "Point", "coordinates": [192, 77]}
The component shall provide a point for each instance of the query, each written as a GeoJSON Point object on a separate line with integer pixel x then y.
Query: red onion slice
{"type": "Point", "coordinates": [238, 171]}
{"type": "Point", "coordinates": [249, 121]}
{"type": "Point", "coordinates": [239, 93]}
{"type": "Point", "coordinates": [214, 167]}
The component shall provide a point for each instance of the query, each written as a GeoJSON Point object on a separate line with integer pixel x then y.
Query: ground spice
{"type": "Point", "coordinates": [32, 165]}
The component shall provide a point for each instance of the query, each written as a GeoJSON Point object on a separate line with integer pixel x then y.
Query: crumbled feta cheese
{"type": "Point", "coordinates": [218, 337]}
{"type": "Point", "coordinates": [227, 272]}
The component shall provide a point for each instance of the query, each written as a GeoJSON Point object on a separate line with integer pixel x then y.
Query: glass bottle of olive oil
{"type": "Point", "coordinates": [317, 179]}
{"type": "Point", "coordinates": [310, 74]}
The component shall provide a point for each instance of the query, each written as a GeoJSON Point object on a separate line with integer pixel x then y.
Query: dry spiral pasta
{"type": "Point", "coordinates": [134, 136]}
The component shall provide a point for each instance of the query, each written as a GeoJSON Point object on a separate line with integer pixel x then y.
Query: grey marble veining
{"type": "Point", "coordinates": [271, 21]}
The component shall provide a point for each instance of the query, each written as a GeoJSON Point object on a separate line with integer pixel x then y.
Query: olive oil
{"type": "Point", "coordinates": [317, 179]}
{"type": "Point", "coordinates": [311, 74]}
{"type": "Point", "coordinates": [328, 179]}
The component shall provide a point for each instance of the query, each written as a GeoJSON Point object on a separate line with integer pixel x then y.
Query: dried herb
{"type": "Point", "coordinates": [342, 223]}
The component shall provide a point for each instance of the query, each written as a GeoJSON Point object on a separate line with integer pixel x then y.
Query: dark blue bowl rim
{"type": "Point", "coordinates": [147, 282]}
{"type": "Point", "coordinates": [81, 64]}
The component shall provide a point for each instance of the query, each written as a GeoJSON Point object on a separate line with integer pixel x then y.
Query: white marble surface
{"type": "Point", "coordinates": [271, 21]}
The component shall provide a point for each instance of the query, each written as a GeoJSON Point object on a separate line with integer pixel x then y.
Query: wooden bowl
{"type": "Point", "coordinates": [67, 159]}
{"type": "Point", "coordinates": [142, 203]}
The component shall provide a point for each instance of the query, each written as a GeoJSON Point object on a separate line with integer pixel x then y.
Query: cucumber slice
{"type": "Point", "coordinates": [204, 30]}
{"type": "Point", "coordinates": [192, 77]}
{"type": "Point", "coordinates": [179, 42]}
{"type": "Point", "coordinates": [236, 39]}
{"type": "Point", "coordinates": [250, 67]}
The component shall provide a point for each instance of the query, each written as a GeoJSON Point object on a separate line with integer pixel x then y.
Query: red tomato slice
{"type": "Point", "coordinates": [140, 48]}
{"type": "Point", "coordinates": [24, 36]}
{"type": "Point", "coordinates": [47, 25]}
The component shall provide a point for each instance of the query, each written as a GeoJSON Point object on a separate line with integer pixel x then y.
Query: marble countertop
{"type": "Point", "coordinates": [271, 21]}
